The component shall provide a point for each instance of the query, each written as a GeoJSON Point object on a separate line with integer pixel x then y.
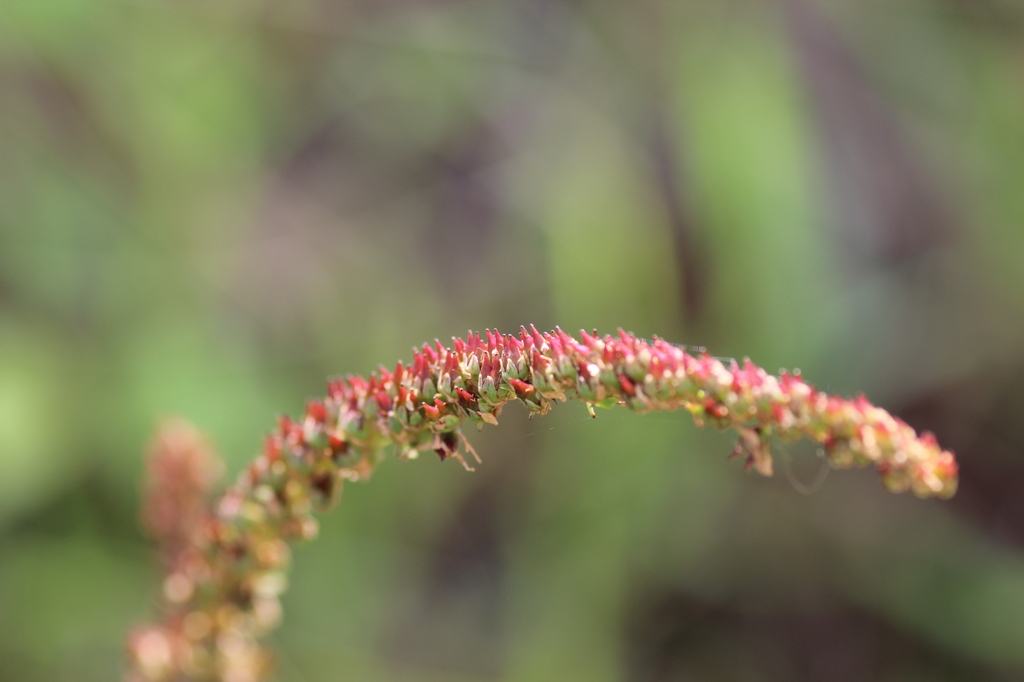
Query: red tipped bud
{"type": "Point", "coordinates": [715, 409]}
{"type": "Point", "coordinates": [538, 339]}
{"type": "Point", "coordinates": [336, 443]}
{"type": "Point", "coordinates": [271, 449]}
{"type": "Point", "coordinates": [557, 350]}
{"type": "Point", "coordinates": [335, 389]}
{"type": "Point", "coordinates": [521, 387]}
{"type": "Point", "coordinates": [316, 411]}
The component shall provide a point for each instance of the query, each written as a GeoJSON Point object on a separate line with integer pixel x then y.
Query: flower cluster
{"type": "Point", "coordinates": [222, 592]}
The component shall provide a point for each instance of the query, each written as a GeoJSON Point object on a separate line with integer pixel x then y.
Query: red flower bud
{"type": "Point", "coordinates": [316, 411]}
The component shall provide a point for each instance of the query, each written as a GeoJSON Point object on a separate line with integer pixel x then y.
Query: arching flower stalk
{"type": "Point", "coordinates": [227, 569]}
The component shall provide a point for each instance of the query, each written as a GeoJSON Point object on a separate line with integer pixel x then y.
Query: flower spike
{"type": "Point", "coordinates": [226, 560]}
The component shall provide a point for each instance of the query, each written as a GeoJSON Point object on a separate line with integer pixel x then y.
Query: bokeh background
{"type": "Point", "coordinates": [209, 206]}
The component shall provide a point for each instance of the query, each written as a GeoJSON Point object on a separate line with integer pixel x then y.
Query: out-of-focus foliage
{"type": "Point", "coordinates": [206, 207]}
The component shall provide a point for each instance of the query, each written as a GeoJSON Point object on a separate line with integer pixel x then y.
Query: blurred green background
{"type": "Point", "coordinates": [209, 206]}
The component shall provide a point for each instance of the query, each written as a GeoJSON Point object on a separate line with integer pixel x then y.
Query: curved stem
{"type": "Point", "coordinates": [226, 571]}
